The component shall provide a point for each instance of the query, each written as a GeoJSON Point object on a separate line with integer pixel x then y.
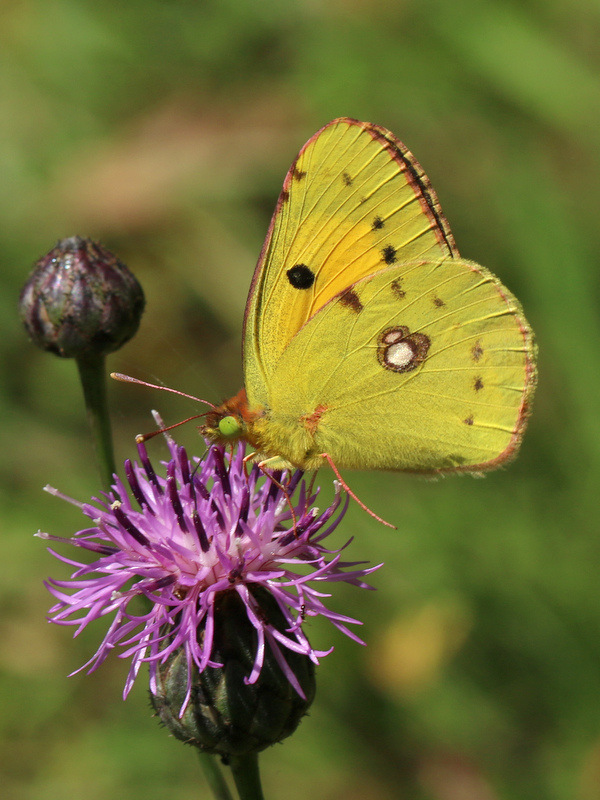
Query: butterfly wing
{"type": "Point", "coordinates": [425, 366]}
{"type": "Point", "coordinates": [354, 201]}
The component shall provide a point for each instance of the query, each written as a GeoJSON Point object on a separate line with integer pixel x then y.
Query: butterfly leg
{"type": "Point", "coordinates": [311, 487]}
{"type": "Point", "coordinates": [262, 465]}
{"type": "Point", "coordinates": [329, 460]}
{"type": "Point", "coordinates": [262, 468]}
{"type": "Point", "coordinates": [245, 462]}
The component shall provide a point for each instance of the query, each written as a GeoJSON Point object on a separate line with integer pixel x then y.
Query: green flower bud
{"type": "Point", "coordinates": [81, 300]}
{"type": "Point", "coordinates": [226, 715]}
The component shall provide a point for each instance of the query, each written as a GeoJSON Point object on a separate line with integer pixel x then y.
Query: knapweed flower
{"type": "Point", "coordinates": [188, 563]}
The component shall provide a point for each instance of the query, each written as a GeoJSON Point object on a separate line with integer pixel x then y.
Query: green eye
{"type": "Point", "coordinates": [229, 426]}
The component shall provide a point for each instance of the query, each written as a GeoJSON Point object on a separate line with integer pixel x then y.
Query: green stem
{"type": "Point", "coordinates": [214, 777]}
{"type": "Point", "coordinates": [246, 776]}
{"type": "Point", "coordinates": [93, 381]}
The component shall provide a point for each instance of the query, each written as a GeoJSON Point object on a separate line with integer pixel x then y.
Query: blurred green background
{"type": "Point", "coordinates": [164, 129]}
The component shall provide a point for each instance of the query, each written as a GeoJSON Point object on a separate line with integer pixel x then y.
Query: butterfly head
{"type": "Point", "coordinates": [230, 421]}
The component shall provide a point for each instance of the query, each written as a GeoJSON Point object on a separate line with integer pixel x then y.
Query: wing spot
{"type": "Point", "coordinates": [299, 174]}
{"type": "Point", "coordinates": [389, 254]}
{"type": "Point", "coordinates": [377, 224]}
{"type": "Point", "coordinates": [284, 196]}
{"type": "Point", "coordinates": [476, 351]}
{"type": "Point", "coordinates": [347, 179]}
{"type": "Point", "coordinates": [311, 421]}
{"type": "Point", "coordinates": [399, 350]}
{"type": "Point", "coordinates": [350, 299]}
{"type": "Point", "coordinates": [438, 302]}
{"type": "Point", "coordinates": [301, 276]}
{"type": "Point", "coordinates": [468, 420]}
{"type": "Point", "coordinates": [396, 287]}
{"type": "Point", "coordinates": [478, 384]}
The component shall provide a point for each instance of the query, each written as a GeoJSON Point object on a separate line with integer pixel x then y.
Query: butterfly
{"type": "Point", "coordinates": [369, 343]}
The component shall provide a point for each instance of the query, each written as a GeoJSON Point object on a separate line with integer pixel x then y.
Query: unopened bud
{"type": "Point", "coordinates": [225, 714]}
{"type": "Point", "coordinates": [80, 299]}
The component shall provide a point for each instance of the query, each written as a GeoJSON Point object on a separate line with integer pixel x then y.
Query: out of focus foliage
{"type": "Point", "coordinates": [164, 130]}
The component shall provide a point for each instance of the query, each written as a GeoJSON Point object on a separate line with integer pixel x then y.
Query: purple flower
{"type": "Point", "coordinates": [165, 554]}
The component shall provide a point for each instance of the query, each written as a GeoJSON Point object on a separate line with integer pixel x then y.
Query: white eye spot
{"type": "Point", "coordinates": [392, 336]}
{"type": "Point", "coordinates": [399, 355]}
{"type": "Point", "coordinates": [399, 350]}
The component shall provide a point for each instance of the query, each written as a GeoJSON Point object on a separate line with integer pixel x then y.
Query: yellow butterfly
{"type": "Point", "coordinates": [368, 342]}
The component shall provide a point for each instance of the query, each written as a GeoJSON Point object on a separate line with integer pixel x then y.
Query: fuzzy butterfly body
{"type": "Point", "coordinates": [368, 341]}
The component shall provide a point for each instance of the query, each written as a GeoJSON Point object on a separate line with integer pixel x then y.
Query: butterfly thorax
{"type": "Point", "coordinates": [285, 440]}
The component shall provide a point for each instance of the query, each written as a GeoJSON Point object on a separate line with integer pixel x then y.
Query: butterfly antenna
{"type": "Point", "coordinates": [118, 376]}
{"type": "Point", "coordinates": [143, 437]}
{"type": "Point", "coordinates": [351, 493]}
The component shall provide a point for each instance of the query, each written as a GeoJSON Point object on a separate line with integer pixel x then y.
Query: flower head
{"type": "Point", "coordinates": [184, 542]}
{"type": "Point", "coordinates": [80, 300]}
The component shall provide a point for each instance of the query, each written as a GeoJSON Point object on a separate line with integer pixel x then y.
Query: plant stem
{"type": "Point", "coordinates": [214, 777]}
{"type": "Point", "coordinates": [246, 776]}
{"type": "Point", "coordinates": [93, 380]}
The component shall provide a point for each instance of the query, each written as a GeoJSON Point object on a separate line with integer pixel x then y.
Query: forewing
{"type": "Point", "coordinates": [354, 201]}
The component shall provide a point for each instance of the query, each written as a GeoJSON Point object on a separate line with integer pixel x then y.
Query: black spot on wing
{"type": "Point", "coordinates": [377, 224]}
{"type": "Point", "coordinates": [301, 276]}
{"type": "Point", "coordinates": [389, 254]}
{"type": "Point", "coordinates": [347, 179]}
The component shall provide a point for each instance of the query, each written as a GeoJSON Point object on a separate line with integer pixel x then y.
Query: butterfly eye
{"type": "Point", "coordinates": [229, 426]}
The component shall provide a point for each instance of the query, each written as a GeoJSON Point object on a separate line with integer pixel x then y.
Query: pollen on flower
{"type": "Point", "coordinates": [182, 542]}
